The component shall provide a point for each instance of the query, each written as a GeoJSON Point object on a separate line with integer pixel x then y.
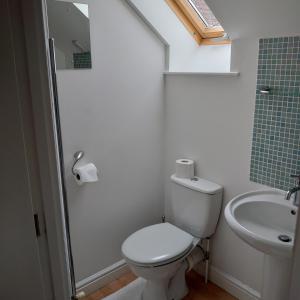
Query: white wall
{"type": "Point", "coordinates": [60, 57]}
{"type": "Point", "coordinates": [257, 18]}
{"type": "Point", "coordinates": [114, 113]}
{"type": "Point", "coordinates": [295, 288]}
{"type": "Point", "coordinates": [185, 55]}
{"type": "Point", "coordinates": [210, 119]}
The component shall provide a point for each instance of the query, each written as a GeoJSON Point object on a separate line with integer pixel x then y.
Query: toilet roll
{"type": "Point", "coordinates": [86, 173]}
{"type": "Point", "coordinates": [184, 168]}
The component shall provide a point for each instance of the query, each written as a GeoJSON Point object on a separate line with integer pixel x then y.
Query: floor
{"type": "Point", "coordinates": [198, 289]}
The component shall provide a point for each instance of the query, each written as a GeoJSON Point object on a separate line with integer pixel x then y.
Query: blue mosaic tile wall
{"type": "Point", "coordinates": [276, 134]}
{"type": "Point", "coordinates": [82, 60]}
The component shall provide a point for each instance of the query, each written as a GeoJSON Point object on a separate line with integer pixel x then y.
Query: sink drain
{"type": "Point", "coordinates": [284, 238]}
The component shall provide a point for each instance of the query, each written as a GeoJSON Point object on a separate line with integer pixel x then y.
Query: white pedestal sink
{"type": "Point", "coordinates": [259, 218]}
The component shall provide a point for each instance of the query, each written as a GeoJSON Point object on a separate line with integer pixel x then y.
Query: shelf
{"type": "Point", "coordinates": [225, 74]}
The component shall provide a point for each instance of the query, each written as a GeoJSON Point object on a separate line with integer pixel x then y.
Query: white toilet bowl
{"type": "Point", "coordinates": [157, 253]}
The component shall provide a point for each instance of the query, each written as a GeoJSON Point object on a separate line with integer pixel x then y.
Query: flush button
{"type": "Point", "coordinates": [284, 238]}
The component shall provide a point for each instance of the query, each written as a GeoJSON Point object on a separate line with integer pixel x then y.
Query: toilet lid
{"type": "Point", "coordinates": [157, 244]}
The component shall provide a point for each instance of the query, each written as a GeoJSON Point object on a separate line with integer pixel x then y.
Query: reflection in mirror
{"type": "Point", "coordinates": [69, 25]}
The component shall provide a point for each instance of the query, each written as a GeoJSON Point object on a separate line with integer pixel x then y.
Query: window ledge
{"type": "Point", "coordinates": [225, 74]}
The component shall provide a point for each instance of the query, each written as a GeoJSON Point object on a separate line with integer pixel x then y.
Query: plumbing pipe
{"type": "Point", "coordinates": [195, 257]}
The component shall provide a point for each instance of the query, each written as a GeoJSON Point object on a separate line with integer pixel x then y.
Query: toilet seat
{"type": "Point", "coordinates": [157, 245]}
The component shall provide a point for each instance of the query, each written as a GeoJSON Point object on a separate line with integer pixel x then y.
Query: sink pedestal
{"type": "Point", "coordinates": [276, 278]}
{"type": "Point", "coordinates": [265, 221]}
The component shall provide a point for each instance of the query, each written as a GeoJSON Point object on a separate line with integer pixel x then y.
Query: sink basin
{"type": "Point", "coordinates": [260, 218]}
{"type": "Point", "coordinates": [267, 222]}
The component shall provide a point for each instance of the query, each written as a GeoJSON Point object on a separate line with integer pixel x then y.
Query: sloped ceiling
{"type": "Point", "coordinates": [184, 54]}
{"type": "Point", "coordinates": [258, 18]}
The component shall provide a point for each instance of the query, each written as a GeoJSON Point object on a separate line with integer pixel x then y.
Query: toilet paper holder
{"type": "Point", "coordinates": [77, 157]}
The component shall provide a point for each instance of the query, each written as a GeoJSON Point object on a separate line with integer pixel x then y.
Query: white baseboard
{"type": "Point", "coordinates": [102, 278]}
{"type": "Point", "coordinates": [232, 285]}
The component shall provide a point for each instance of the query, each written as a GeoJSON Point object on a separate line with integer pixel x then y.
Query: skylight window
{"type": "Point", "coordinates": [205, 13]}
{"type": "Point", "coordinates": [84, 8]}
{"type": "Point", "coordinates": [199, 20]}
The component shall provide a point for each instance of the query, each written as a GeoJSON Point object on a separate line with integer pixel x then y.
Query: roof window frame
{"type": "Point", "coordinates": [196, 24]}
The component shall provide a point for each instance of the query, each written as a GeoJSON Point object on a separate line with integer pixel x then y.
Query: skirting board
{"type": "Point", "coordinates": [102, 278]}
{"type": "Point", "coordinates": [232, 285]}
{"type": "Point", "coordinates": [221, 279]}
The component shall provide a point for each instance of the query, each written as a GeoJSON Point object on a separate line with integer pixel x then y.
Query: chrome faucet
{"type": "Point", "coordinates": [294, 191]}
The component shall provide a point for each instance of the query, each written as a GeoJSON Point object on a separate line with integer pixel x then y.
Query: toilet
{"type": "Point", "coordinates": [161, 253]}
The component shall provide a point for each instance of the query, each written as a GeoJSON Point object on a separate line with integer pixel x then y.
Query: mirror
{"type": "Point", "coordinates": [69, 25]}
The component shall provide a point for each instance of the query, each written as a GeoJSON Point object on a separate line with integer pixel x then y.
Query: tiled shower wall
{"type": "Point", "coordinates": [82, 60]}
{"type": "Point", "coordinates": [276, 134]}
